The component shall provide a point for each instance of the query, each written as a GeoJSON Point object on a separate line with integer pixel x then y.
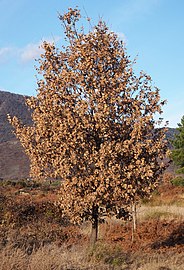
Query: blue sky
{"type": "Point", "coordinates": [152, 29]}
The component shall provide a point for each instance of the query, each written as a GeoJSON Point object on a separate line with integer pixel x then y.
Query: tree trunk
{"type": "Point", "coordinates": [94, 231]}
{"type": "Point", "coordinates": [134, 220]}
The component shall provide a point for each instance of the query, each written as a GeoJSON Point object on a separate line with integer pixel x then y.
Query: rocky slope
{"type": "Point", "coordinates": [13, 162]}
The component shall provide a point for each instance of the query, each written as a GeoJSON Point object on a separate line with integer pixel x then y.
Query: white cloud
{"type": "Point", "coordinates": [32, 51]}
{"type": "Point", "coordinates": [27, 53]}
{"type": "Point", "coordinates": [4, 53]}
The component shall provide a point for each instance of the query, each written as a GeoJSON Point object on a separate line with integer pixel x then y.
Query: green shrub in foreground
{"type": "Point", "coordinates": [178, 181]}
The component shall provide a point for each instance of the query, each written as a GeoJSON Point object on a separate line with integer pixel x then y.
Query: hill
{"type": "Point", "coordinates": [170, 134]}
{"type": "Point", "coordinates": [13, 161]}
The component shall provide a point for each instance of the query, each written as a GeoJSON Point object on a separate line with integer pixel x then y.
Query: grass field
{"type": "Point", "coordinates": [34, 236]}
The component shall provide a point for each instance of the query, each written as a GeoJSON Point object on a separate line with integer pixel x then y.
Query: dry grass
{"type": "Point", "coordinates": [101, 257]}
{"type": "Point", "coordinates": [167, 202]}
{"type": "Point", "coordinates": [163, 211]}
{"type": "Point", "coordinates": [47, 258]}
{"type": "Point", "coordinates": [12, 259]}
{"type": "Point", "coordinates": [169, 261]}
{"type": "Point", "coordinates": [34, 237]}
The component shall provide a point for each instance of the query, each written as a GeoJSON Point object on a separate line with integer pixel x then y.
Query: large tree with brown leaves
{"type": "Point", "coordinates": [93, 125]}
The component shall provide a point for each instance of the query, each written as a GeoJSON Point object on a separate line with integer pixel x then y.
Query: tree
{"type": "Point", "coordinates": [94, 125]}
{"type": "Point", "coordinates": [178, 143]}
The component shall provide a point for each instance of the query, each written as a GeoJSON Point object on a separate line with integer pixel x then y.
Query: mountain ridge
{"type": "Point", "coordinates": [14, 164]}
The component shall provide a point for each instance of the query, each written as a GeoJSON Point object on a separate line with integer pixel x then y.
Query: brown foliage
{"type": "Point", "coordinates": [42, 242]}
{"type": "Point", "coordinates": [151, 236]}
{"type": "Point", "coordinates": [17, 212]}
{"type": "Point", "coordinates": [94, 124]}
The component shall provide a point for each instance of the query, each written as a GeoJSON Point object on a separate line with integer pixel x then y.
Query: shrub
{"type": "Point", "coordinates": [112, 255]}
{"type": "Point", "coordinates": [178, 181]}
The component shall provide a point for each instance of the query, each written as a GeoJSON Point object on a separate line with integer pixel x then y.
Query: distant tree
{"type": "Point", "coordinates": [178, 144]}
{"type": "Point", "coordinates": [94, 125]}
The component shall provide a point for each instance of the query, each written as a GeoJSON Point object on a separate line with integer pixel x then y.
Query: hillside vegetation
{"type": "Point", "coordinates": [32, 227]}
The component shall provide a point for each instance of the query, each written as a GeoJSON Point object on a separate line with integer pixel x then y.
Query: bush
{"type": "Point", "coordinates": [178, 181]}
{"type": "Point", "coordinates": [24, 211]}
{"type": "Point", "coordinates": [112, 255]}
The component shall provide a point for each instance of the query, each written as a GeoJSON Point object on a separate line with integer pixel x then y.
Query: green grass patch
{"type": "Point", "coordinates": [178, 181]}
{"type": "Point", "coordinates": [108, 254]}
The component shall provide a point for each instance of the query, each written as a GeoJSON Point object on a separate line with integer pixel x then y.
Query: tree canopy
{"type": "Point", "coordinates": [93, 124]}
{"type": "Point", "coordinates": [178, 143]}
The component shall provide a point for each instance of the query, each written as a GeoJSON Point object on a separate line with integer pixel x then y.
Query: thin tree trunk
{"type": "Point", "coordinates": [134, 220]}
{"type": "Point", "coordinates": [94, 231]}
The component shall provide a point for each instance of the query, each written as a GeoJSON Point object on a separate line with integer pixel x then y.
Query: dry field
{"type": "Point", "coordinates": [33, 236]}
